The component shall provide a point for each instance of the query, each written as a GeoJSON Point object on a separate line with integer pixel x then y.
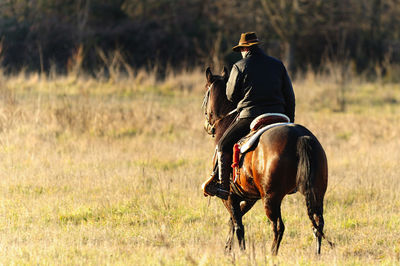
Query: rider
{"type": "Point", "coordinates": [257, 84]}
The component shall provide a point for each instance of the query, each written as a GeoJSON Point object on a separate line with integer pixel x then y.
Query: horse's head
{"type": "Point", "coordinates": [216, 106]}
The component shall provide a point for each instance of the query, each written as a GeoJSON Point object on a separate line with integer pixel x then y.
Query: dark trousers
{"type": "Point", "coordinates": [239, 129]}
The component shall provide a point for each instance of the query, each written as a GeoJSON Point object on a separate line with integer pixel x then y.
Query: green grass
{"type": "Point", "coordinates": [100, 172]}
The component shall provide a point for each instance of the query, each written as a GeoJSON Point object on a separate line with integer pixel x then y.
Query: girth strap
{"type": "Point", "coordinates": [237, 190]}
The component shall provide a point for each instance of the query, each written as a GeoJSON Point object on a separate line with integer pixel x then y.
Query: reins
{"type": "Point", "coordinates": [210, 127]}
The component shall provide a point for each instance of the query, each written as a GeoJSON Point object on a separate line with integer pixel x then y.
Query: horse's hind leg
{"type": "Point", "coordinates": [273, 210]}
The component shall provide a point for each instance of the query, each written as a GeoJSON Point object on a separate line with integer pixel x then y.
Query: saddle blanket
{"type": "Point", "coordinates": [254, 138]}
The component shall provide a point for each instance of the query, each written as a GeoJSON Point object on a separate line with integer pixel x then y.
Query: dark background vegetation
{"type": "Point", "coordinates": [59, 34]}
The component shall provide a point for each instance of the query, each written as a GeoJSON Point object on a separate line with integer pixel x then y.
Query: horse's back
{"type": "Point", "coordinates": [284, 138]}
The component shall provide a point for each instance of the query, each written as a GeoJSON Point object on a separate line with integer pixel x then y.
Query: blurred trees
{"type": "Point", "coordinates": [40, 34]}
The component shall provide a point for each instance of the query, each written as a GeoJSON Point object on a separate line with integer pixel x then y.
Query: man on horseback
{"type": "Point", "coordinates": [257, 84]}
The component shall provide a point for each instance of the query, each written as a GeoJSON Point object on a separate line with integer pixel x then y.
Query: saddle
{"type": "Point", "coordinates": [268, 119]}
{"type": "Point", "coordinates": [259, 125]}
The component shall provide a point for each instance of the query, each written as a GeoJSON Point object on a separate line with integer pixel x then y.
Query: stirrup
{"type": "Point", "coordinates": [222, 193]}
{"type": "Point", "coordinates": [214, 189]}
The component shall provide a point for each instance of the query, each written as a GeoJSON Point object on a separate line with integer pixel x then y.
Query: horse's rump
{"type": "Point", "coordinates": [274, 160]}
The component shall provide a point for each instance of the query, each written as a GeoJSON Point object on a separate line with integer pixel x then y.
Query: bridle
{"type": "Point", "coordinates": [208, 126]}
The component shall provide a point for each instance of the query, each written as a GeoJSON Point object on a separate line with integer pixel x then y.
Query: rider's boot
{"type": "Point", "coordinates": [221, 188]}
{"type": "Point", "coordinates": [224, 171]}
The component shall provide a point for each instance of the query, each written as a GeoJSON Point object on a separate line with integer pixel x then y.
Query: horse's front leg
{"type": "Point", "coordinates": [245, 206]}
{"type": "Point", "coordinates": [236, 216]}
{"type": "Point", "coordinates": [237, 208]}
{"type": "Point", "coordinates": [229, 240]}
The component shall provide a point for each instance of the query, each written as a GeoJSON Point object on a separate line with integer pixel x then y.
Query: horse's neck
{"type": "Point", "coordinates": [222, 127]}
{"type": "Point", "coordinates": [224, 106]}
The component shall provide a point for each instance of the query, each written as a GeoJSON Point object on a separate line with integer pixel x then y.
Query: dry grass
{"type": "Point", "coordinates": [97, 171]}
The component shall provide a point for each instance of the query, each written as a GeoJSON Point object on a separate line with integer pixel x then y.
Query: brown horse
{"type": "Point", "coordinates": [287, 158]}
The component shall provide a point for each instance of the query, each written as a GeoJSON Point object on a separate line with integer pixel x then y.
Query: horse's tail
{"type": "Point", "coordinates": [306, 174]}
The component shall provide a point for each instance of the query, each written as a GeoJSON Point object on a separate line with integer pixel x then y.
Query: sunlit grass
{"type": "Point", "coordinates": [97, 171]}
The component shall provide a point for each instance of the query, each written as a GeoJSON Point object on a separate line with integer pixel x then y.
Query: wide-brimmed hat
{"type": "Point", "coordinates": [246, 40]}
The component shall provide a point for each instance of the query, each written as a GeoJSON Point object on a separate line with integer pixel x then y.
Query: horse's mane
{"type": "Point", "coordinates": [207, 95]}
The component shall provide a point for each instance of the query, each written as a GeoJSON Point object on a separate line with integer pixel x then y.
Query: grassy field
{"type": "Point", "coordinates": [108, 171]}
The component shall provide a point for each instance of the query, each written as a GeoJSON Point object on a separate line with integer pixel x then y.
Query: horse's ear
{"type": "Point", "coordinates": [209, 74]}
{"type": "Point", "coordinates": [225, 74]}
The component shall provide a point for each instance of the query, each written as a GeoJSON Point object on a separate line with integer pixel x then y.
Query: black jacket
{"type": "Point", "coordinates": [260, 84]}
